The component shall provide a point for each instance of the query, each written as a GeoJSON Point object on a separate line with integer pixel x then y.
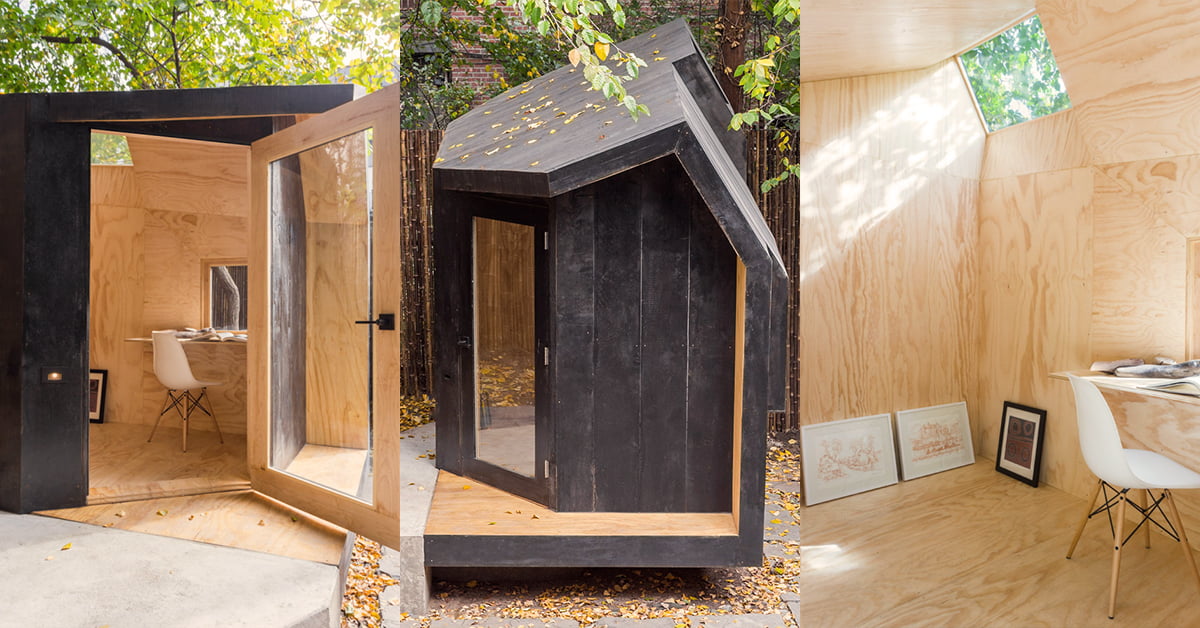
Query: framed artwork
{"type": "Point", "coordinates": [842, 458]}
{"type": "Point", "coordinates": [97, 393]}
{"type": "Point", "coordinates": [934, 439]}
{"type": "Point", "coordinates": [1020, 453]}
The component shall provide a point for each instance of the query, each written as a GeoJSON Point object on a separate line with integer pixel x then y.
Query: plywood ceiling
{"type": "Point", "coordinates": [841, 38]}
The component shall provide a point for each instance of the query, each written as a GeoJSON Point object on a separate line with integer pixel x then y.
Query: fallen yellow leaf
{"type": "Point", "coordinates": [65, 547]}
{"type": "Point", "coordinates": [161, 512]}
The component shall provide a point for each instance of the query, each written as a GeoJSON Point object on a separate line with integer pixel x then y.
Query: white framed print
{"type": "Point", "coordinates": [934, 439]}
{"type": "Point", "coordinates": [846, 457]}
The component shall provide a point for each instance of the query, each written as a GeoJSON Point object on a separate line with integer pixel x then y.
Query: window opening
{"type": "Point", "coordinates": [1014, 76]}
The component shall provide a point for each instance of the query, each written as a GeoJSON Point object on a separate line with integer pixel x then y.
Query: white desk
{"type": "Point", "coordinates": [1148, 419]}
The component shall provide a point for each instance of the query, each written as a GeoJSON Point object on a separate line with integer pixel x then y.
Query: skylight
{"type": "Point", "coordinates": [1014, 76]}
{"type": "Point", "coordinates": [110, 150]}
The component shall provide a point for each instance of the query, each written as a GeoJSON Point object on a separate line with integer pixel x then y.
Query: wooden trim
{"type": "Point", "coordinates": [380, 519]}
{"type": "Point", "coordinates": [739, 359]}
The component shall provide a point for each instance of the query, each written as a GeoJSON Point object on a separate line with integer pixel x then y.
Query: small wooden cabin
{"type": "Point", "coordinates": [610, 317]}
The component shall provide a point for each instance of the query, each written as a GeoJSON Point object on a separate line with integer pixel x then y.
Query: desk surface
{"type": "Point", "coordinates": [1130, 384]}
{"type": "Point", "coordinates": [197, 341]}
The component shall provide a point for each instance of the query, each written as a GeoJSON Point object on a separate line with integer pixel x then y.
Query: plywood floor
{"type": "Point", "coordinates": [339, 468]}
{"type": "Point", "coordinates": [466, 507]}
{"type": "Point", "coordinates": [243, 519]}
{"type": "Point", "coordinates": [970, 547]}
{"type": "Point", "coordinates": [122, 466]}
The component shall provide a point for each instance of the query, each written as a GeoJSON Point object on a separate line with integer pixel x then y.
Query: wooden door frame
{"type": "Point", "coordinates": [380, 519]}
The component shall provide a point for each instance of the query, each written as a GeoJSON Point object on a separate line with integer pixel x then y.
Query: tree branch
{"type": "Point", "coordinates": [98, 41]}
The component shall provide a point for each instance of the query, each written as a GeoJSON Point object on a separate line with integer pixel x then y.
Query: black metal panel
{"type": "Point", "coordinates": [754, 403]}
{"type": "Point", "coordinates": [618, 411]}
{"type": "Point", "coordinates": [217, 102]}
{"type": "Point", "coordinates": [711, 317]}
{"type": "Point", "coordinates": [289, 245]}
{"type": "Point", "coordinates": [664, 311]}
{"type": "Point", "coordinates": [12, 315]}
{"type": "Point", "coordinates": [586, 551]}
{"type": "Point", "coordinates": [55, 260]}
{"type": "Point", "coordinates": [573, 350]}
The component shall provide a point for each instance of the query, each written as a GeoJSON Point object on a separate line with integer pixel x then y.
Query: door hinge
{"type": "Point", "coordinates": [546, 467]}
{"type": "Point", "coordinates": [546, 356]}
{"type": "Point", "coordinates": [546, 240]}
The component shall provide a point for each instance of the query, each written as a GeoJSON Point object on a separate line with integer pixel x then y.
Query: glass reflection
{"type": "Point", "coordinates": [505, 346]}
{"type": "Point", "coordinates": [321, 284]}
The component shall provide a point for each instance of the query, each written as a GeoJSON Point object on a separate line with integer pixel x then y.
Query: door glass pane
{"type": "Point", "coordinates": [505, 345]}
{"type": "Point", "coordinates": [321, 284]}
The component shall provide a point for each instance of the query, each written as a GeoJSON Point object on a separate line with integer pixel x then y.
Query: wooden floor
{"type": "Point", "coordinates": [243, 519]}
{"type": "Point", "coordinates": [122, 466]}
{"type": "Point", "coordinates": [971, 547]}
{"type": "Point", "coordinates": [339, 468]}
{"type": "Point", "coordinates": [467, 507]}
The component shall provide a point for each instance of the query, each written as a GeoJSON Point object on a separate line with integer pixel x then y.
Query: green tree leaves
{"type": "Point", "coordinates": [1014, 76]}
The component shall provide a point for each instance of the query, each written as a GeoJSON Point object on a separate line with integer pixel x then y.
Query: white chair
{"type": "Point", "coordinates": [1128, 469]}
{"type": "Point", "coordinates": [173, 372]}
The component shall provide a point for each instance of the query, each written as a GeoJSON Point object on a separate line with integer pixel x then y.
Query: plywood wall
{"type": "Point", "coordinates": [152, 225]}
{"type": "Point", "coordinates": [1086, 217]}
{"type": "Point", "coordinates": [888, 297]}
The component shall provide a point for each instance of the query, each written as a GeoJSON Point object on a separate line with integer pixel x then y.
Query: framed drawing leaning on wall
{"type": "Point", "coordinates": [1020, 452]}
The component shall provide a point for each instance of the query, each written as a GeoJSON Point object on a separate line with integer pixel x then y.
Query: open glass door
{"type": "Point", "coordinates": [324, 371]}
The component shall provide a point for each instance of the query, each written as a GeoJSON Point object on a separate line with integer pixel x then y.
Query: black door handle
{"type": "Point", "coordinates": [386, 322]}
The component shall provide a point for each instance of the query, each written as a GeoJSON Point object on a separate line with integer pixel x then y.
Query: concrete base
{"type": "Point", "coordinates": [418, 477]}
{"type": "Point", "coordinates": [117, 578]}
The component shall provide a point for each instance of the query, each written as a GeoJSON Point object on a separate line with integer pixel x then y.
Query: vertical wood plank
{"type": "Point", "coordinates": [619, 389]}
{"type": "Point", "coordinates": [664, 343]}
{"type": "Point", "coordinates": [712, 280]}
{"type": "Point", "coordinates": [572, 222]}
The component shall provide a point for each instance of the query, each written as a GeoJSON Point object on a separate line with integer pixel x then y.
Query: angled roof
{"type": "Point", "coordinates": [556, 122]}
{"type": "Point", "coordinates": [554, 134]}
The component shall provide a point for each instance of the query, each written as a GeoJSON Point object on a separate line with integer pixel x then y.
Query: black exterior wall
{"type": "Point", "coordinates": [44, 258]}
{"type": "Point", "coordinates": [657, 245]}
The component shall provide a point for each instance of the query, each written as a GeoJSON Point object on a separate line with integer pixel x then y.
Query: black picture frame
{"type": "Point", "coordinates": [1019, 452]}
{"type": "Point", "coordinates": [97, 394]}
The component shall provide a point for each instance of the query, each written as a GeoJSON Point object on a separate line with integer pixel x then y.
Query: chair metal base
{"type": "Point", "coordinates": [1119, 498]}
{"type": "Point", "coordinates": [185, 403]}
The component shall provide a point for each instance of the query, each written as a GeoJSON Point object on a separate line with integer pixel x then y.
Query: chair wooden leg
{"type": "Point", "coordinates": [1147, 500]}
{"type": "Point", "coordinates": [1116, 561]}
{"type": "Point", "coordinates": [1183, 540]}
{"type": "Point", "coordinates": [160, 416]}
{"type": "Point", "coordinates": [1087, 511]}
{"type": "Point", "coordinates": [213, 413]}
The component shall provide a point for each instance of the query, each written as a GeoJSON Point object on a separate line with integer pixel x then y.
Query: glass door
{"type": "Point", "coordinates": [325, 354]}
{"type": "Point", "coordinates": [508, 438]}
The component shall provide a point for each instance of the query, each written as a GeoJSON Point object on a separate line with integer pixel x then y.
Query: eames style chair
{"type": "Point", "coordinates": [1128, 469]}
{"type": "Point", "coordinates": [175, 374]}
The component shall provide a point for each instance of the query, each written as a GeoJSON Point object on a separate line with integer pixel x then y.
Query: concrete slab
{"type": "Point", "coordinates": [418, 477]}
{"type": "Point", "coordinates": [737, 621]}
{"type": "Point", "coordinates": [628, 622]}
{"type": "Point", "coordinates": [117, 578]}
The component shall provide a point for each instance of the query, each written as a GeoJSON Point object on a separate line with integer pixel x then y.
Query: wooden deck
{"type": "Point", "coordinates": [464, 507]}
{"type": "Point", "coordinates": [122, 466]}
{"type": "Point", "coordinates": [971, 547]}
{"type": "Point", "coordinates": [242, 519]}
